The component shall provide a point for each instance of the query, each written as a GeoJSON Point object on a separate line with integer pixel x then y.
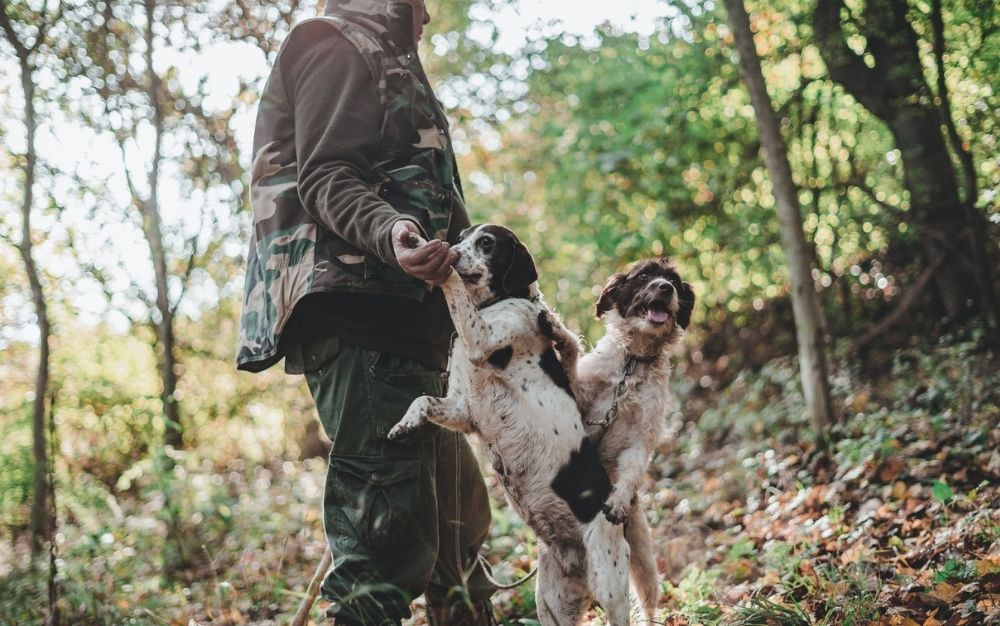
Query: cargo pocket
{"type": "Point", "coordinates": [378, 498]}
{"type": "Point", "coordinates": [395, 383]}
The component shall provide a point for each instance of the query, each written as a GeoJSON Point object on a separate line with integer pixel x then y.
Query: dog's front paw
{"type": "Point", "coordinates": [615, 510]}
{"type": "Point", "coordinates": [403, 429]}
{"type": "Point", "coordinates": [545, 324]}
{"type": "Point", "coordinates": [551, 329]}
{"type": "Point", "coordinates": [410, 423]}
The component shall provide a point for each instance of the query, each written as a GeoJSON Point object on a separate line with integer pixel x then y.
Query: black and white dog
{"type": "Point", "coordinates": [622, 388]}
{"type": "Point", "coordinates": [508, 386]}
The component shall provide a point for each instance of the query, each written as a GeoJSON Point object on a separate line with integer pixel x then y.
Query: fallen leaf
{"type": "Point", "coordinates": [944, 592]}
{"type": "Point", "coordinates": [890, 469]}
{"type": "Point", "coordinates": [899, 490]}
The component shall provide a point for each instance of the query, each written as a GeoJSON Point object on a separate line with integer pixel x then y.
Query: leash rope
{"type": "Point", "coordinates": [488, 571]}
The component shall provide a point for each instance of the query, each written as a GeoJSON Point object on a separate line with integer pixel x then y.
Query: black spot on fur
{"type": "Point", "coordinates": [512, 269]}
{"type": "Point", "coordinates": [583, 483]}
{"type": "Point", "coordinates": [553, 367]}
{"type": "Point", "coordinates": [686, 295]}
{"type": "Point", "coordinates": [501, 358]}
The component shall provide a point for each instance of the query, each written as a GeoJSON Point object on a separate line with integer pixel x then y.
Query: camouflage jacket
{"type": "Point", "coordinates": [325, 226]}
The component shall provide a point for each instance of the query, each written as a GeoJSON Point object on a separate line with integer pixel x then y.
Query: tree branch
{"type": "Point", "coordinates": [844, 65]}
{"type": "Point", "coordinates": [20, 49]}
{"type": "Point", "coordinates": [905, 302]}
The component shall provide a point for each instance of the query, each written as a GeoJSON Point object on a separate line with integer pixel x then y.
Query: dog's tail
{"type": "Point", "coordinates": [642, 562]}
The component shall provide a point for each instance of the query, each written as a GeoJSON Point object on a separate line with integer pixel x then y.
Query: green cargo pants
{"type": "Point", "coordinates": [401, 518]}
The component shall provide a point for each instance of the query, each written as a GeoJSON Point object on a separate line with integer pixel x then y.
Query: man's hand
{"type": "Point", "coordinates": [430, 262]}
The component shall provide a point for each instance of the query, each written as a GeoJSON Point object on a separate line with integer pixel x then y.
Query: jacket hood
{"type": "Point", "coordinates": [390, 19]}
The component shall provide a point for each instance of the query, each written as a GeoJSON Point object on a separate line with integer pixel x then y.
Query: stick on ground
{"type": "Point", "coordinates": [302, 615]}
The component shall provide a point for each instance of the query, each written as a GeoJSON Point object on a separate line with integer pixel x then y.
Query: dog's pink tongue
{"type": "Point", "coordinates": [656, 316]}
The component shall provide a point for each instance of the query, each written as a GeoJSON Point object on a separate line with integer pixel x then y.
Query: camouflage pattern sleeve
{"type": "Point", "coordinates": [337, 122]}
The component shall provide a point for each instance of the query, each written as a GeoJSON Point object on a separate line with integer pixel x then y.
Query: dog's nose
{"type": "Point", "coordinates": [665, 287]}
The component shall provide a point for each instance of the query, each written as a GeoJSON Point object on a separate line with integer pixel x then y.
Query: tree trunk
{"type": "Point", "coordinates": [41, 526]}
{"type": "Point", "coordinates": [896, 92]}
{"type": "Point", "coordinates": [173, 433]}
{"type": "Point", "coordinates": [805, 303]}
{"type": "Point", "coordinates": [978, 227]}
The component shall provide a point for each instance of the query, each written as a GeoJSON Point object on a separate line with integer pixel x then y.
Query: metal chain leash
{"type": "Point", "coordinates": [630, 364]}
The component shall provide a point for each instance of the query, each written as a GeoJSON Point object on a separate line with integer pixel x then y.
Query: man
{"type": "Point", "coordinates": [351, 157]}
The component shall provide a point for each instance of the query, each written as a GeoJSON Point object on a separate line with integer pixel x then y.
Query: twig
{"type": "Point", "coordinates": [905, 302]}
{"type": "Point", "coordinates": [302, 615]}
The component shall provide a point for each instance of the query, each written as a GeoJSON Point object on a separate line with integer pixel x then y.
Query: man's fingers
{"type": "Point", "coordinates": [440, 265]}
{"type": "Point", "coordinates": [428, 257]}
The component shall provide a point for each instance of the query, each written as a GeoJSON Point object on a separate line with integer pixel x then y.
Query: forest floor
{"type": "Point", "coordinates": [898, 523]}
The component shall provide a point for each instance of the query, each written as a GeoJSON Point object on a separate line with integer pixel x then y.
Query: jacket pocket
{"type": "Point", "coordinates": [379, 498]}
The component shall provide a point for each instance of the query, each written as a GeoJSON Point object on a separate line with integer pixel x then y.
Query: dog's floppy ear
{"type": "Point", "coordinates": [521, 272]}
{"type": "Point", "coordinates": [607, 300]}
{"type": "Point", "coordinates": [686, 302]}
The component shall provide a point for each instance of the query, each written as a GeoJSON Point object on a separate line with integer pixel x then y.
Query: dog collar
{"type": "Point", "coordinates": [532, 295]}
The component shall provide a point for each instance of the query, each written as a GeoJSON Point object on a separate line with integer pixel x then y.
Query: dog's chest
{"type": "Point", "coordinates": [630, 403]}
{"type": "Point", "coordinates": [528, 422]}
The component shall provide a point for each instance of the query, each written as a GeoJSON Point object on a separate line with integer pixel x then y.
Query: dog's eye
{"type": "Point", "coordinates": [641, 276]}
{"type": "Point", "coordinates": [485, 244]}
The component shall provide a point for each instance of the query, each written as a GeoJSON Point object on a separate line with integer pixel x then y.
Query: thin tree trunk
{"type": "Point", "coordinates": [41, 527]}
{"type": "Point", "coordinates": [174, 433]}
{"type": "Point", "coordinates": [53, 586]}
{"type": "Point", "coordinates": [964, 156]}
{"type": "Point", "coordinates": [805, 303]}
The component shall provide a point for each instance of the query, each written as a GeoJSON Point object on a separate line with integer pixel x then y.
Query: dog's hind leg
{"type": "Point", "coordinates": [607, 568]}
{"type": "Point", "coordinates": [559, 599]}
{"type": "Point", "coordinates": [642, 563]}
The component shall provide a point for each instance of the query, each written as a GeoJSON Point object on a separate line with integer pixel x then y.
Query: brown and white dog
{"type": "Point", "coordinates": [508, 387]}
{"type": "Point", "coordinates": [622, 390]}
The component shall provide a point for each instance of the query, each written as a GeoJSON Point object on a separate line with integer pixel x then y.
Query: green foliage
{"type": "Point", "coordinates": [695, 593]}
{"type": "Point", "coordinates": [763, 612]}
{"type": "Point", "coordinates": [942, 493]}
{"type": "Point", "coordinates": [956, 570]}
{"type": "Point", "coordinates": [16, 466]}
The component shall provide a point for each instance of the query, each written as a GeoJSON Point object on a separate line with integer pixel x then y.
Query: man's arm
{"type": "Point", "coordinates": [337, 127]}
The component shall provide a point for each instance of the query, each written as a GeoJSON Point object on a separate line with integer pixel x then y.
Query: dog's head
{"type": "Point", "coordinates": [493, 263]}
{"type": "Point", "coordinates": [651, 298]}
